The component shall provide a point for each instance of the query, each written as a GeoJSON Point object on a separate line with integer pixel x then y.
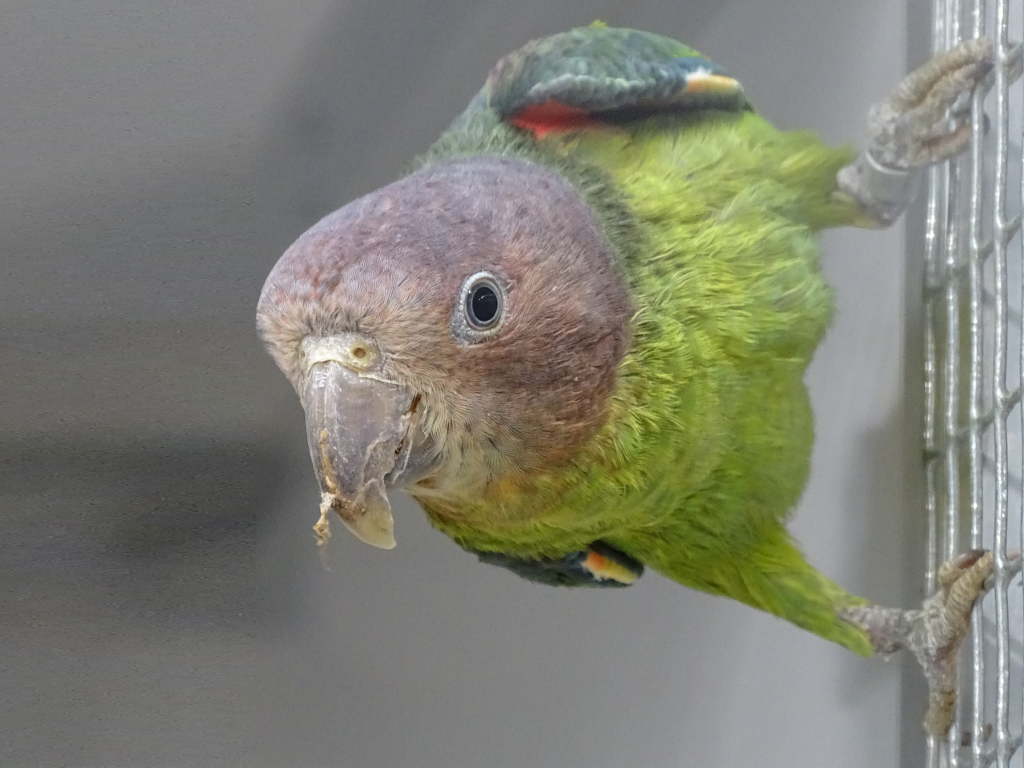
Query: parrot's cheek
{"type": "Point", "coordinates": [360, 431]}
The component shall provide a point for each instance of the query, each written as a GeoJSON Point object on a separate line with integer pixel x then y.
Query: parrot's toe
{"type": "Point", "coordinates": [927, 117]}
{"type": "Point", "coordinates": [934, 633]}
{"type": "Point", "coordinates": [944, 621]}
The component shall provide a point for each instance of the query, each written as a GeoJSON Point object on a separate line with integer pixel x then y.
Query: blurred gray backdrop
{"type": "Point", "coordinates": [162, 602]}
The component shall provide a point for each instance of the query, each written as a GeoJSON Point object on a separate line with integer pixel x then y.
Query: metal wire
{"type": "Point", "coordinates": [972, 429]}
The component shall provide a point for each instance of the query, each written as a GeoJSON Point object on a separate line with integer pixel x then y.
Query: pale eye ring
{"type": "Point", "coordinates": [481, 308]}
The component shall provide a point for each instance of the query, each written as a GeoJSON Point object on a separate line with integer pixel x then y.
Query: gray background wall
{"type": "Point", "coordinates": [162, 604]}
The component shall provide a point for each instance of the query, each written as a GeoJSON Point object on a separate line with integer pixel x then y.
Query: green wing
{"type": "Point", "coordinates": [598, 75]}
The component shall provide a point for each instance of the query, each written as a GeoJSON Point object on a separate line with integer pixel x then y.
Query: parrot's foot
{"type": "Point", "coordinates": [910, 129]}
{"type": "Point", "coordinates": [934, 633]}
{"type": "Point", "coordinates": [924, 121]}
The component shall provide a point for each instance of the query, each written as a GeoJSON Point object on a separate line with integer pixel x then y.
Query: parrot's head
{"type": "Point", "coordinates": [453, 334]}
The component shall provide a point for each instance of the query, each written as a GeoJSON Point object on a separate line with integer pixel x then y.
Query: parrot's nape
{"type": "Point", "coordinates": [577, 332]}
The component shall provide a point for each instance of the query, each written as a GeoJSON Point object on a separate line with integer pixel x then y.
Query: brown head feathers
{"type": "Point", "coordinates": [404, 264]}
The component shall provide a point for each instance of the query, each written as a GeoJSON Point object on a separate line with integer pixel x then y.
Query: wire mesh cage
{"type": "Point", "coordinates": [974, 347]}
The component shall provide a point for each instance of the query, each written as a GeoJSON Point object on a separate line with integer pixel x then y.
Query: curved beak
{"type": "Point", "coordinates": [360, 429]}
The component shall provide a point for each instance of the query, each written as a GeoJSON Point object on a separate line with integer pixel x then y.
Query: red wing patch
{"type": "Point", "coordinates": [553, 117]}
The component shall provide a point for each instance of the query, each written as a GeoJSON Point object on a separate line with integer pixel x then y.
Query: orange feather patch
{"type": "Point", "coordinates": [604, 568]}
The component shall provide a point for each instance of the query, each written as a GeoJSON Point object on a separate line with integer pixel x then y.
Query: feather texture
{"type": "Point", "coordinates": [713, 215]}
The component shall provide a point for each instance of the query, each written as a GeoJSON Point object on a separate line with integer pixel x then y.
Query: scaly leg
{"type": "Point", "coordinates": [924, 121]}
{"type": "Point", "coordinates": [933, 633]}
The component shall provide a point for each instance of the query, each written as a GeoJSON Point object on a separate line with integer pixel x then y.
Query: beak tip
{"type": "Point", "coordinates": [376, 536]}
{"type": "Point", "coordinates": [371, 522]}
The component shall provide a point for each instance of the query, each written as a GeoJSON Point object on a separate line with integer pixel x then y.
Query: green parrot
{"type": "Point", "coordinates": [576, 333]}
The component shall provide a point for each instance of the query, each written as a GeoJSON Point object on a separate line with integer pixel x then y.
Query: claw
{"type": "Point", "coordinates": [929, 78]}
{"type": "Point", "coordinates": [965, 580]}
{"type": "Point", "coordinates": [945, 621]}
{"type": "Point", "coordinates": [926, 119]}
{"type": "Point", "coordinates": [951, 570]}
{"type": "Point", "coordinates": [935, 632]}
{"type": "Point", "coordinates": [913, 128]}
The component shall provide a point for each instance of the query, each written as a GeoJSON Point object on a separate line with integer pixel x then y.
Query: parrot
{"type": "Point", "coordinates": [576, 331]}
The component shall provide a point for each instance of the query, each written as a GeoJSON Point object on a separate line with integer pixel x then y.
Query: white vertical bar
{"type": "Point", "coordinates": [952, 444]}
{"type": "Point", "coordinates": [976, 253]}
{"type": "Point", "coordinates": [934, 278]}
{"type": "Point", "coordinates": [1001, 236]}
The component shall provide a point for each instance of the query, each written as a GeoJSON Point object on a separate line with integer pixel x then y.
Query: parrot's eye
{"type": "Point", "coordinates": [481, 308]}
{"type": "Point", "coordinates": [482, 305]}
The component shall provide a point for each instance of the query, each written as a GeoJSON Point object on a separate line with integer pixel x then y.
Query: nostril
{"type": "Point", "coordinates": [348, 349]}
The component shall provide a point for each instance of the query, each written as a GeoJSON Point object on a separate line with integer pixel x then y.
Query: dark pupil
{"type": "Point", "coordinates": [483, 305]}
